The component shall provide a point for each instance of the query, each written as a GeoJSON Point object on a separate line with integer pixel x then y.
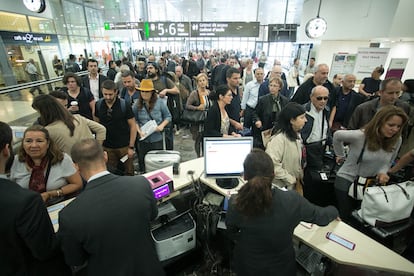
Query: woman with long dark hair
{"type": "Point", "coordinates": [261, 220]}
{"type": "Point", "coordinates": [65, 129]}
{"type": "Point", "coordinates": [148, 108]}
{"type": "Point", "coordinates": [286, 147]}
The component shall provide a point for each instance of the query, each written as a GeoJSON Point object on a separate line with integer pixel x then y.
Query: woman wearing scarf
{"type": "Point", "coordinates": [40, 166]}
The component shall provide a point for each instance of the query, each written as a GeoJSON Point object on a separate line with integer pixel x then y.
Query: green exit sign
{"type": "Point", "coordinates": [107, 26]}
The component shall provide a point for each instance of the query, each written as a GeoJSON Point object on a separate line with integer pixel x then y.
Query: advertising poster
{"type": "Point", "coordinates": [342, 63]}
{"type": "Point", "coordinates": [396, 68]}
{"type": "Point", "coordinates": [367, 60]}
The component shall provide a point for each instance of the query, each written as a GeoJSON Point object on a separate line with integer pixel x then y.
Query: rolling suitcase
{"type": "Point", "coordinates": [158, 159]}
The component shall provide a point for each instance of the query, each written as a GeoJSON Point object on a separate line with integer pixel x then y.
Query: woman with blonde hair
{"type": "Point", "coordinates": [199, 100]}
{"type": "Point", "coordinates": [372, 150]}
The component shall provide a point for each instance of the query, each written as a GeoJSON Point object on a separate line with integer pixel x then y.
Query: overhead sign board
{"type": "Point", "coordinates": [224, 29]}
{"type": "Point", "coordinates": [187, 29]}
{"type": "Point", "coordinates": [167, 29]}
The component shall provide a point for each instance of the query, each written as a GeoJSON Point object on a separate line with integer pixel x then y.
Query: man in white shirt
{"type": "Point", "coordinates": [315, 135]}
{"type": "Point", "coordinates": [251, 96]}
{"type": "Point", "coordinates": [93, 81]}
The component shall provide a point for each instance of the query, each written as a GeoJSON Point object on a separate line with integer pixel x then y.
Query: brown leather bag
{"type": "Point", "coordinates": [299, 186]}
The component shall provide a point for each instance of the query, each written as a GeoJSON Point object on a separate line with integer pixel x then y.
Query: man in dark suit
{"type": "Point", "coordinates": [27, 240]}
{"type": "Point", "coordinates": [93, 81]}
{"type": "Point", "coordinates": [106, 229]}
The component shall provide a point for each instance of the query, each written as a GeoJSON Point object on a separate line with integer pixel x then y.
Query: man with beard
{"type": "Point", "coordinates": [121, 130]}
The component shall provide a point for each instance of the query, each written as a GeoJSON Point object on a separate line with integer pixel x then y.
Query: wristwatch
{"type": "Point", "coordinates": [131, 147]}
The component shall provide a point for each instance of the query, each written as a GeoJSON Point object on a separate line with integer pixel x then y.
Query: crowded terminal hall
{"type": "Point", "coordinates": [219, 138]}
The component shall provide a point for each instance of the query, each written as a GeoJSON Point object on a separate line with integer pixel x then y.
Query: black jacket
{"type": "Point", "coordinates": [85, 83]}
{"type": "Point", "coordinates": [263, 111]}
{"type": "Point", "coordinates": [108, 225]}
{"type": "Point", "coordinates": [28, 245]}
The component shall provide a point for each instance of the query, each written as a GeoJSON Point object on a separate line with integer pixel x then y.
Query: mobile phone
{"type": "Point", "coordinates": [345, 243]}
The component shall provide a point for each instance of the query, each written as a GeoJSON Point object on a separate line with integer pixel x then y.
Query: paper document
{"type": "Point", "coordinates": [148, 129]}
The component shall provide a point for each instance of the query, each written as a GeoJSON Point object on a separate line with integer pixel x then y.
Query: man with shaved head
{"type": "Point", "coordinates": [315, 135]}
{"type": "Point", "coordinates": [344, 103]}
{"type": "Point", "coordinates": [319, 78]}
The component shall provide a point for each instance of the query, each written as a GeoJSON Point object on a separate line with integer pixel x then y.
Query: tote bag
{"type": "Point", "coordinates": [387, 205]}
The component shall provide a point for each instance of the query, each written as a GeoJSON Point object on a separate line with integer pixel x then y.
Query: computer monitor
{"type": "Point", "coordinates": [224, 157]}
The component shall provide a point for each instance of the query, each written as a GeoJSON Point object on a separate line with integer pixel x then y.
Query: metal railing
{"type": "Point", "coordinates": [18, 87]}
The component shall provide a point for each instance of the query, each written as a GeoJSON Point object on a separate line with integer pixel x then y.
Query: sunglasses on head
{"type": "Point", "coordinates": [322, 98]}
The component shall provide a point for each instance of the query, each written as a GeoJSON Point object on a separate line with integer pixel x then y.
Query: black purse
{"type": "Point", "coordinates": [193, 116]}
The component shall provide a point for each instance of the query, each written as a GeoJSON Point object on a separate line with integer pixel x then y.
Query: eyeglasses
{"type": "Point", "coordinates": [109, 112]}
{"type": "Point", "coordinates": [322, 98]}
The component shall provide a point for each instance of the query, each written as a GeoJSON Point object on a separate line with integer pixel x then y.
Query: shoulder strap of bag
{"type": "Point", "coordinates": [146, 108]}
{"type": "Point", "coordinates": [49, 165]}
{"type": "Point", "coordinates": [362, 152]}
{"type": "Point", "coordinates": [359, 166]}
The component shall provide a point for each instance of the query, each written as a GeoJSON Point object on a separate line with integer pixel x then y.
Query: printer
{"type": "Point", "coordinates": [175, 237]}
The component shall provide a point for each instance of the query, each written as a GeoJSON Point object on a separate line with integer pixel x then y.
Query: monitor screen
{"type": "Point", "coordinates": [224, 157]}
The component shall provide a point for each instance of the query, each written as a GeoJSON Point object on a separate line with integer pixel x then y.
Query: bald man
{"type": "Point", "coordinates": [315, 135]}
{"type": "Point", "coordinates": [344, 103]}
{"type": "Point", "coordinates": [319, 78]}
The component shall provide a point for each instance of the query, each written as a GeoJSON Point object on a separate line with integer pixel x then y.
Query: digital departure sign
{"type": "Point", "coordinates": [224, 29]}
{"type": "Point", "coordinates": [168, 29]}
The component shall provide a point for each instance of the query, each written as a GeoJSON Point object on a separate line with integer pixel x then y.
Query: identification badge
{"type": "Point", "coordinates": [362, 180]}
{"type": "Point", "coordinates": [323, 176]}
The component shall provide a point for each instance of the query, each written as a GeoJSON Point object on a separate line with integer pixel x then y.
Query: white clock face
{"type": "Point", "coordinates": [316, 27]}
{"type": "Point", "coordinates": [35, 5]}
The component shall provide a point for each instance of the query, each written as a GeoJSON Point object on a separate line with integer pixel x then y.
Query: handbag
{"type": "Point", "coordinates": [266, 134]}
{"type": "Point", "coordinates": [193, 116]}
{"type": "Point", "coordinates": [387, 205]}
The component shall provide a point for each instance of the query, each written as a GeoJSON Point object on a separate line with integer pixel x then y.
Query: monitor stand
{"type": "Point", "coordinates": [227, 183]}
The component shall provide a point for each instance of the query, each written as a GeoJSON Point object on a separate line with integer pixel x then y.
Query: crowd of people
{"type": "Point", "coordinates": [85, 128]}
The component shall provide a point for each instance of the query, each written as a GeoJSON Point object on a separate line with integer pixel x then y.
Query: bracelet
{"type": "Point", "coordinates": [59, 192]}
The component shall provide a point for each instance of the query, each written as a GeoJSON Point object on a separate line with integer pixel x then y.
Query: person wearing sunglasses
{"type": "Point", "coordinates": [315, 135]}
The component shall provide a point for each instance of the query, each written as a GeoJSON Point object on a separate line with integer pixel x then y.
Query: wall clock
{"type": "Point", "coordinates": [35, 5]}
{"type": "Point", "coordinates": [316, 27]}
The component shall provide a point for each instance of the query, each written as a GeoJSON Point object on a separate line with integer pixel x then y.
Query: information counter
{"type": "Point", "coordinates": [367, 253]}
